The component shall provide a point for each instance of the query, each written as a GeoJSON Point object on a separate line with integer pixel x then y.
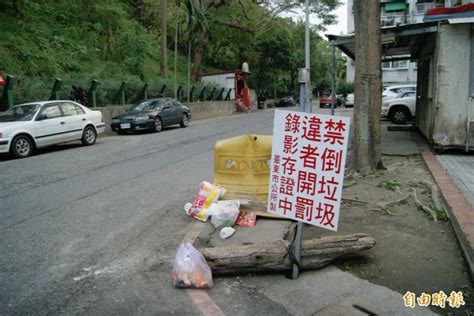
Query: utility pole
{"type": "Point", "coordinates": [307, 58]}
{"type": "Point", "coordinates": [365, 151]}
{"type": "Point", "coordinates": [305, 105]}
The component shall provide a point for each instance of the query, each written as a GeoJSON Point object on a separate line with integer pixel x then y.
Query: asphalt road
{"type": "Point", "coordinates": [84, 229]}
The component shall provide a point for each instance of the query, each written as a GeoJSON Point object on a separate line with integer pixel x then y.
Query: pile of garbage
{"type": "Point", "coordinates": [223, 213]}
{"type": "Point", "coordinates": [190, 269]}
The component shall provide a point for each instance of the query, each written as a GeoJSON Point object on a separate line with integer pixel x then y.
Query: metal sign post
{"type": "Point", "coordinates": [303, 78]}
{"type": "Point", "coordinates": [305, 104]}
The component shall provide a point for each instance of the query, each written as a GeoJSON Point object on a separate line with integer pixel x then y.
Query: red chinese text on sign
{"type": "Point", "coordinates": [308, 158]}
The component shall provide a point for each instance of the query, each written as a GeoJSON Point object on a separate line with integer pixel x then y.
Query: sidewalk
{"type": "Point", "coordinates": [454, 175]}
{"type": "Point", "coordinates": [460, 167]}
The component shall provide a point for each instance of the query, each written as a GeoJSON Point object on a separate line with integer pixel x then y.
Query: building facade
{"type": "Point", "coordinates": [397, 12]}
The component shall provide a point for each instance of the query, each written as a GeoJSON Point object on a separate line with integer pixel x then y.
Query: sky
{"type": "Point", "coordinates": [341, 26]}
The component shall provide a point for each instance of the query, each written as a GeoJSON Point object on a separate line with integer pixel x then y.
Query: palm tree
{"type": "Point", "coordinates": [198, 25]}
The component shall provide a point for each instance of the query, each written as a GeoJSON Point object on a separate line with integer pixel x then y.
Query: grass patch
{"type": "Point", "coordinates": [441, 214]}
{"type": "Point", "coordinates": [389, 184]}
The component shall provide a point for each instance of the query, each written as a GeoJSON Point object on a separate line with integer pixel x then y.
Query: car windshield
{"type": "Point", "coordinates": [147, 105]}
{"type": "Point", "coordinates": [17, 113]}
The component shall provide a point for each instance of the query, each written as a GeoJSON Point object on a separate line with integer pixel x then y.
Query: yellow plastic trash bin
{"type": "Point", "coordinates": [241, 165]}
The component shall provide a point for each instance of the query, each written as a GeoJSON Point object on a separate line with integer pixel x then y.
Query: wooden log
{"type": "Point", "coordinates": [271, 257]}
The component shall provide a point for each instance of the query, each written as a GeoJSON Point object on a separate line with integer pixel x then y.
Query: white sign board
{"type": "Point", "coordinates": [307, 167]}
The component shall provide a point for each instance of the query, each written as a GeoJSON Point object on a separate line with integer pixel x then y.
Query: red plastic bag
{"type": "Point", "coordinates": [190, 269]}
{"type": "Point", "coordinates": [247, 218]}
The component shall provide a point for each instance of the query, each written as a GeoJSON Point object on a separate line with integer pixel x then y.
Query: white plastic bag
{"type": "Point", "coordinates": [190, 269]}
{"type": "Point", "coordinates": [224, 213]}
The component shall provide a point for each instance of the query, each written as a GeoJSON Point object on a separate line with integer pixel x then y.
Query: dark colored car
{"type": "Point", "coordinates": [153, 114]}
{"type": "Point", "coordinates": [326, 100]}
{"type": "Point", "coordinates": [286, 101]}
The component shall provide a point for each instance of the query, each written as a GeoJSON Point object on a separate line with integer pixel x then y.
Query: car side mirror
{"type": "Point", "coordinates": [165, 108]}
{"type": "Point", "coordinates": [42, 117]}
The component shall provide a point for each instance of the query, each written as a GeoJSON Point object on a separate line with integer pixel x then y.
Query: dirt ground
{"type": "Point", "coordinates": [412, 252]}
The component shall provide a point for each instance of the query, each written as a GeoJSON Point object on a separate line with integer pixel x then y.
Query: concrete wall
{"type": "Point", "coordinates": [210, 109]}
{"type": "Point", "coordinates": [200, 111]}
{"type": "Point", "coordinates": [452, 86]}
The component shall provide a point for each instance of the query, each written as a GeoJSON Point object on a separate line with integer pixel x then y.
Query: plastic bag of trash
{"type": "Point", "coordinates": [224, 213]}
{"type": "Point", "coordinates": [190, 269]}
{"type": "Point", "coordinates": [208, 194]}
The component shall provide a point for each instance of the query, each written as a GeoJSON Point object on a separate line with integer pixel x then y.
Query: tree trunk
{"type": "Point", "coordinates": [175, 70]}
{"type": "Point", "coordinates": [189, 70]}
{"type": "Point", "coordinates": [164, 45]}
{"type": "Point", "coordinates": [271, 257]}
{"type": "Point", "coordinates": [198, 54]}
{"type": "Point", "coordinates": [365, 151]}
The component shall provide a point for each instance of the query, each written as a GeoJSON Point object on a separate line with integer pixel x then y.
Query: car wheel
{"type": "Point", "coordinates": [158, 124]}
{"type": "Point", "coordinates": [399, 115]}
{"type": "Point", "coordinates": [89, 136]}
{"type": "Point", "coordinates": [184, 121]}
{"type": "Point", "coordinates": [22, 146]}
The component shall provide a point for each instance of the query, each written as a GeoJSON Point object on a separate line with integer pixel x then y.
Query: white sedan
{"type": "Point", "coordinates": [29, 126]}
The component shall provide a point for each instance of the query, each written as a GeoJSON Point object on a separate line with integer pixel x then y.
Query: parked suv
{"type": "Point", "coordinates": [400, 109]}
{"type": "Point", "coordinates": [392, 92]}
{"type": "Point", "coordinates": [349, 103]}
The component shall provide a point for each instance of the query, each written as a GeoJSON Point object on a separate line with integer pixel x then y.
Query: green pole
{"type": "Point", "coordinates": [93, 92]}
{"type": "Point", "coordinates": [55, 91]}
{"type": "Point", "coordinates": [145, 91]}
{"type": "Point", "coordinates": [162, 91]}
{"type": "Point", "coordinates": [178, 93]}
{"type": "Point", "coordinates": [221, 94]}
{"type": "Point", "coordinates": [7, 96]}
{"type": "Point", "coordinates": [211, 95]}
{"type": "Point", "coordinates": [120, 97]}
{"type": "Point", "coordinates": [191, 94]}
{"type": "Point", "coordinates": [227, 97]}
{"type": "Point", "coordinates": [202, 94]}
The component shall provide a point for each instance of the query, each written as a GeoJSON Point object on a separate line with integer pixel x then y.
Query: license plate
{"type": "Point", "coordinates": [126, 125]}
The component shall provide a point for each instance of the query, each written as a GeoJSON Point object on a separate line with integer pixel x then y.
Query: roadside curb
{"type": "Point", "coordinates": [460, 211]}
